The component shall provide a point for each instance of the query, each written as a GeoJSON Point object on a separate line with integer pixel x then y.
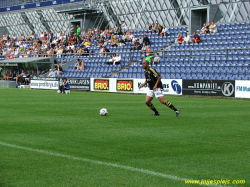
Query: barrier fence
{"type": "Point", "coordinates": [223, 88]}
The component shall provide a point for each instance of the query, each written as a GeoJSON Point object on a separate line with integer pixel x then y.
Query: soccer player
{"type": "Point", "coordinates": [153, 79]}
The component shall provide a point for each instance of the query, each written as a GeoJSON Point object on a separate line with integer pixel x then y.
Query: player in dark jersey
{"type": "Point", "coordinates": [153, 79]}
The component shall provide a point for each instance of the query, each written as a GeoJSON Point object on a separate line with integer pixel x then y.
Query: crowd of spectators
{"type": "Point", "coordinates": [157, 28]}
{"type": "Point", "coordinates": [59, 43]}
{"type": "Point", "coordinates": [23, 75]}
{"type": "Point", "coordinates": [79, 41]}
{"type": "Point", "coordinates": [209, 28]}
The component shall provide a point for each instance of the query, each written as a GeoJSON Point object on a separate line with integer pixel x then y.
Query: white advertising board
{"type": "Point", "coordinates": [44, 84]}
{"type": "Point", "coordinates": [242, 88]}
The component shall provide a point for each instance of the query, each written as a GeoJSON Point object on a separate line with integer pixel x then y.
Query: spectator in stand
{"type": "Point", "coordinates": [105, 43]}
{"type": "Point", "coordinates": [144, 48]}
{"type": "Point", "coordinates": [27, 78]}
{"type": "Point", "coordinates": [110, 61]}
{"type": "Point", "coordinates": [51, 73]}
{"type": "Point", "coordinates": [140, 39]}
{"type": "Point", "coordinates": [156, 59]}
{"type": "Point", "coordinates": [82, 33]}
{"type": "Point", "coordinates": [114, 42]}
{"type": "Point", "coordinates": [204, 29]}
{"type": "Point", "coordinates": [123, 27]}
{"type": "Point", "coordinates": [8, 75]}
{"type": "Point", "coordinates": [159, 29]}
{"type": "Point", "coordinates": [79, 52]}
{"type": "Point", "coordinates": [41, 36]}
{"type": "Point", "coordinates": [196, 38]}
{"type": "Point", "coordinates": [149, 28]}
{"type": "Point", "coordinates": [116, 59]}
{"type": "Point", "coordinates": [102, 52]}
{"type": "Point", "coordinates": [78, 30]}
{"type": "Point", "coordinates": [85, 51]}
{"type": "Point", "coordinates": [129, 36]}
{"type": "Point", "coordinates": [72, 29]}
{"type": "Point", "coordinates": [59, 69]}
{"type": "Point", "coordinates": [118, 31]}
{"type": "Point", "coordinates": [137, 46]}
{"type": "Point", "coordinates": [148, 51]}
{"type": "Point", "coordinates": [80, 65]}
{"type": "Point", "coordinates": [213, 28]}
{"type": "Point", "coordinates": [208, 27]}
{"type": "Point", "coordinates": [164, 31]}
{"type": "Point", "coordinates": [154, 28]}
{"type": "Point", "coordinates": [106, 51]}
{"type": "Point", "coordinates": [111, 31]}
{"type": "Point", "coordinates": [124, 37]}
{"type": "Point", "coordinates": [187, 39]}
{"type": "Point", "coordinates": [51, 53]}
{"type": "Point", "coordinates": [70, 51]}
{"type": "Point", "coordinates": [121, 42]}
{"type": "Point", "coordinates": [134, 40]}
{"type": "Point", "coordinates": [20, 77]}
{"type": "Point", "coordinates": [87, 43]}
{"type": "Point", "coordinates": [146, 40]}
{"type": "Point", "coordinates": [77, 64]}
{"type": "Point", "coordinates": [179, 39]}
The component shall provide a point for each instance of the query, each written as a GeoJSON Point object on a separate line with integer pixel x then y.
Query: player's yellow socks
{"type": "Point", "coordinates": [170, 105]}
{"type": "Point", "coordinates": [152, 107]}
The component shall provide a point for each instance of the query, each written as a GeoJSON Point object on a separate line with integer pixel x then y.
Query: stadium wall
{"type": "Point", "coordinates": [223, 88]}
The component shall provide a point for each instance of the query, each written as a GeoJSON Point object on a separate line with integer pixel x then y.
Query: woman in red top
{"type": "Point", "coordinates": [179, 39]}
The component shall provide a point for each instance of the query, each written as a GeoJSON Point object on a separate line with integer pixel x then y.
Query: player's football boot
{"type": "Point", "coordinates": [177, 112]}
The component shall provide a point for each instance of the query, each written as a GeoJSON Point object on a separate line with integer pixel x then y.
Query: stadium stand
{"type": "Point", "coordinates": [220, 56]}
{"type": "Point", "coordinates": [223, 55]}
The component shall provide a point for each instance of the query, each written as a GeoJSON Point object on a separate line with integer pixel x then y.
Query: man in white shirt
{"type": "Point", "coordinates": [41, 36]}
{"type": "Point", "coordinates": [164, 31]}
{"type": "Point", "coordinates": [186, 39]}
{"type": "Point", "coordinates": [4, 52]}
{"type": "Point", "coordinates": [134, 39]}
{"type": "Point", "coordinates": [213, 28]}
{"type": "Point", "coordinates": [123, 26]}
{"type": "Point", "coordinates": [14, 36]}
{"type": "Point", "coordinates": [117, 59]}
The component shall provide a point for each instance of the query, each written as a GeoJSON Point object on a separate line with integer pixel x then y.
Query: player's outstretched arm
{"type": "Point", "coordinates": [146, 82]}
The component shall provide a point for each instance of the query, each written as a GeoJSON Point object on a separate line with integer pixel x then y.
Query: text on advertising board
{"type": "Point", "coordinates": [125, 85]}
{"type": "Point", "coordinates": [101, 84]}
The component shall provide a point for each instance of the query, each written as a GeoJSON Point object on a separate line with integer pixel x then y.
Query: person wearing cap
{"type": "Point", "coordinates": [114, 42]}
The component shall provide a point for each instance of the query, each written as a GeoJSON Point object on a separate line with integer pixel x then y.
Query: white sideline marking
{"type": "Point", "coordinates": [102, 163]}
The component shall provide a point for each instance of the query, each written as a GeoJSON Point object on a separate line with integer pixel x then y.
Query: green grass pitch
{"type": "Point", "coordinates": [56, 140]}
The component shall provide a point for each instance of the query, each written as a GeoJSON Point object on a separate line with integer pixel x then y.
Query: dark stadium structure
{"type": "Point", "coordinates": [224, 55]}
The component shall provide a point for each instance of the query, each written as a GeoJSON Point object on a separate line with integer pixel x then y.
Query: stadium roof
{"type": "Point", "coordinates": [25, 60]}
{"type": "Point", "coordinates": [75, 9]}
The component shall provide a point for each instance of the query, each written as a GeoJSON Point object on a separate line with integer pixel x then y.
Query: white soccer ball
{"type": "Point", "coordinates": [58, 91]}
{"type": "Point", "coordinates": [103, 112]}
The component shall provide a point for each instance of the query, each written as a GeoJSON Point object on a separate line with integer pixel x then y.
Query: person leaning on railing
{"type": "Point", "coordinates": [59, 70]}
